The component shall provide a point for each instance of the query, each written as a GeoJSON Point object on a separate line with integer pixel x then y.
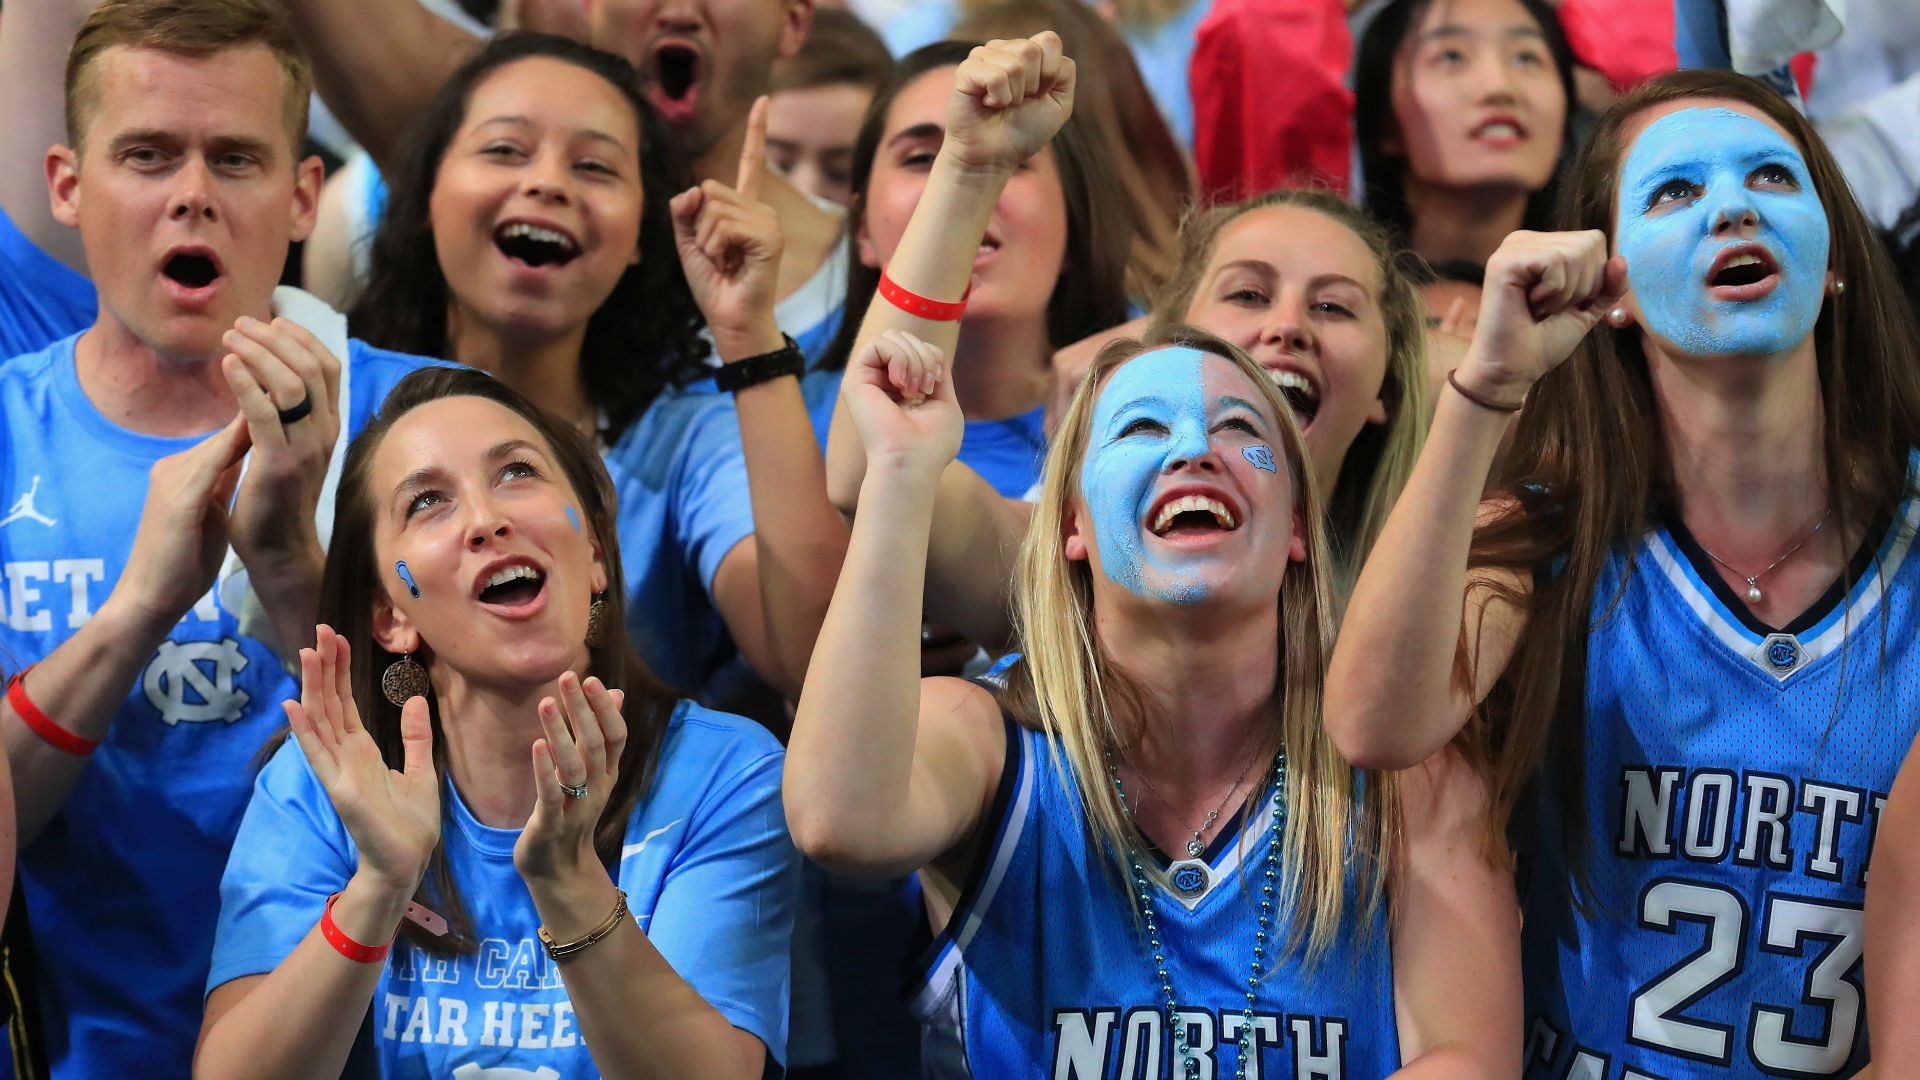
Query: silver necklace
{"type": "Point", "coordinates": [1197, 847]}
{"type": "Point", "coordinates": [1753, 583]}
{"type": "Point", "coordinates": [1189, 1065]}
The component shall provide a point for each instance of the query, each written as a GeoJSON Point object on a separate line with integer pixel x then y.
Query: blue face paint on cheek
{"type": "Point", "coordinates": [1157, 397]}
{"type": "Point", "coordinates": [1689, 171]}
{"type": "Point", "coordinates": [407, 576]}
{"type": "Point", "coordinates": [573, 516]}
{"type": "Point", "coordinates": [1259, 457]}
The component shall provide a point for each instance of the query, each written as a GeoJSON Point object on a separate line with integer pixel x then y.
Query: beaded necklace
{"type": "Point", "coordinates": [1189, 1066]}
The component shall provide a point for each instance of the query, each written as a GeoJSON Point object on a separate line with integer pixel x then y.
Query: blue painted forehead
{"type": "Point", "coordinates": [1699, 137]}
{"type": "Point", "coordinates": [1182, 356]}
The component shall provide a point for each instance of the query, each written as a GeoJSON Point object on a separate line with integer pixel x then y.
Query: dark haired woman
{"type": "Point", "coordinates": [1461, 112]}
{"type": "Point", "coordinates": [1688, 611]}
{"type": "Point", "coordinates": [529, 236]}
{"type": "Point", "coordinates": [476, 580]}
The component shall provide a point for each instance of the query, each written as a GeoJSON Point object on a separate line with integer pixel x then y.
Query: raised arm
{"type": "Point", "coordinates": [1392, 696]}
{"type": "Point", "coordinates": [377, 63]}
{"type": "Point", "coordinates": [1456, 932]}
{"type": "Point", "coordinates": [730, 246]}
{"type": "Point", "coordinates": [1893, 925]}
{"type": "Point", "coordinates": [1008, 100]}
{"type": "Point", "coordinates": [73, 694]}
{"type": "Point", "coordinates": [886, 772]}
{"type": "Point", "coordinates": [34, 38]}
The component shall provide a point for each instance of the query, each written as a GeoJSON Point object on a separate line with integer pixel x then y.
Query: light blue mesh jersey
{"type": "Point", "coordinates": [1044, 970]}
{"type": "Point", "coordinates": [1735, 778]}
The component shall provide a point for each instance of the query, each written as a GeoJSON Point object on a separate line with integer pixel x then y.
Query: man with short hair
{"type": "Point", "coordinates": [201, 409]}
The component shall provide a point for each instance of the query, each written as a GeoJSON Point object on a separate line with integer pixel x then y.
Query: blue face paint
{"type": "Point", "coordinates": [574, 516]}
{"type": "Point", "coordinates": [1259, 456]}
{"type": "Point", "coordinates": [407, 576]}
{"type": "Point", "coordinates": [1690, 171]}
{"type": "Point", "coordinates": [1155, 410]}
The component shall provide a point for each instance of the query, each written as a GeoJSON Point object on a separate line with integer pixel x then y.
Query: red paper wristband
{"type": "Point", "coordinates": [56, 736]}
{"type": "Point", "coordinates": [914, 304]}
{"type": "Point", "coordinates": [346, 946]}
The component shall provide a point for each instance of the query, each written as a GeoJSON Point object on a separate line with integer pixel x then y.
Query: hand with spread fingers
{"type": "Point", "coordinates": [575, 765]}
{"type": "Point", "coordinates": [288, 387]}
{"type": "Point", "coordinates": [182, 538]}
{"type": "Point", "coordinates": [1009, 99]}
{"type": "Point", "coordinates": [730, 246]}
{"type": "Point", "coordinates": [901, 400]}
{"type": "Point", "coordinates": [393, 815]}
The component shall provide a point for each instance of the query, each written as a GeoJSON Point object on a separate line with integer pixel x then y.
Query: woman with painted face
{"type": "Point", "coordinates": [1141, 851]}
{"type": "Point", "coordinates": [1681, 632]}
{"type": "Point", "coordinates": [489, 790]}
{"type": "Point", "coordinates": [1462, 113]}
{"type": "Point", "coordinates": [530, 236]}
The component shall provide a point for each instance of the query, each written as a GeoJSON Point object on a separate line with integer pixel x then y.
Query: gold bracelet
{"type": "Point", "coordinates": [558, 950]}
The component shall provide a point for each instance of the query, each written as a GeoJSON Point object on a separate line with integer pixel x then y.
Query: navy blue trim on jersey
{"type": "Point", "coordinates": [1706, 570]}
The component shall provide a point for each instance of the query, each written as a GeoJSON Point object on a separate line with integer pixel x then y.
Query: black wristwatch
{"type": "Point", "coordinates": [754, 370]}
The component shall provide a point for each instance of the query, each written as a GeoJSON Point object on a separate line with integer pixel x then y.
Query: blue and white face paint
{"type": "Point", "coordinates": [1688, 173]}
{"type": "Point", "coordinates": [1164, 407]}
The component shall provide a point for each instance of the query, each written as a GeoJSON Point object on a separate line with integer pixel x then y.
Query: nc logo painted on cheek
{"type": "Point", "coordinates": [406, 575]}
{"type": "Point", "coordinates": [1259, 457]}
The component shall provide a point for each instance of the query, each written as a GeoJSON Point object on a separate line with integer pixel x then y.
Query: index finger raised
{"type": "Point", "coordinates": [753, 152]}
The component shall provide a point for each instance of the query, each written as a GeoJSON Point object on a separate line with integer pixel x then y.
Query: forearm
{"type": "Point", "coordinates": [300, 1019]}
{"type": "Point", "coordinates": [377, 64]}
{"type": "Point", "coordinates": [799, 536]}
{"type": "Point", "coordinates": [1457, 1061]}
{"type": "Point", "coordinates": [289, 592]}
{"type": "Point", "coordinates": [850, 760]}
{"type": "Point", "coordinates": [34, 39]}
{"type": "Point", "coordinates": [934, 259]}
{"type": "Point", "coordinates": [1893, 921]}
{"type": "Point", "coordinates": [975, 542]}
{"type": "Point", "coordinates": [640, 1018]}
{"type": "Point", "coordinates": [1392, 699]}
{"type": "Point", "coordinates": [79, 687]}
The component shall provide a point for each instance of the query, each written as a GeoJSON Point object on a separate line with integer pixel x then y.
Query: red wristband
{"type": "Point", "coordinates": [914, 304]}
{"type": "Point", "coordinates": [346, 946]}
{"type": "Point", "coordinates": [56, 736]}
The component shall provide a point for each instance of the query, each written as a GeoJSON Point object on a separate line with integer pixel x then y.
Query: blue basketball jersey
{"type": "Point", "coordinates": [1044, 969]}
{"type": "Point", "coordinates": [1735, 777]}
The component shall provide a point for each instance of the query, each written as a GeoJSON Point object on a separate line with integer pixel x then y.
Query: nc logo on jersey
{"type": "Point", "coordinates": [470, 1071]}
{"type": "Point", "coordinates": [192, 681]}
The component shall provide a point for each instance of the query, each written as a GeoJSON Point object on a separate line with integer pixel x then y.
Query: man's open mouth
{"type": "Point", "coordinates": [193, 270]}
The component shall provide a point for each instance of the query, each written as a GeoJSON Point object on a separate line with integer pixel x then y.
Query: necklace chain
{"type": "Point", "coordinates": [1197, 847]}
{"type": "Point", "coordinates": [1753, 583]}
{"type": "Point", "coordinates": [1189, 1066]}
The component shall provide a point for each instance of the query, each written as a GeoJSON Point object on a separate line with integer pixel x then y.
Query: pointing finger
{"type": "Point", "coordinates": [753, 153]}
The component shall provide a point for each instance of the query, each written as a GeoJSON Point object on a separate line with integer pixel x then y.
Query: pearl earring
{"type": "Point", "coordinates": [1618, 316]}
{"type": "Point", "coordinates": [1839, 287]}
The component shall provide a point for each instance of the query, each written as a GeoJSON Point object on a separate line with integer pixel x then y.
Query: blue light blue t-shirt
{"type": "Point", "coordinates": [41, 299]}
{"type": "Point", "coordinates": [122, 884]}
{"type": "Point", "coordinates": [1008, 453]}
{"type": "Point", "coordinates": [707, 866]}
{"type": "Point", "coordinates": [681, 477]}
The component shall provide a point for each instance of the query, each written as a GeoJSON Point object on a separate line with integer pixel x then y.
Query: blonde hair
{"type": "Point", "coordinates": [1069, 688]}
{"type": "Point", "coordinates": [1381, 457]}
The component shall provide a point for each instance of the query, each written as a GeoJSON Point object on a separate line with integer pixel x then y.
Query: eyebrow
{"type": "Point", "coordinates": [516, 120]}
{"type": "Point", "coordinates": [1266, 271]}
{"type": "Point", "coordinates": [917, 132]}
{"type": "Point", "coordinates": [1228, 401]}
{"type": "Point", "coordinates": [1451, 30]}
{"type": "Point", "coordinates": [216, 144]}
{"type": "Point", "coordinates": [433, 473]}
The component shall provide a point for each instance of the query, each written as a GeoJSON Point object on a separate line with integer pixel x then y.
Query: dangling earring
{"type": "Point", "coordinates": [596, 623]}
{"type": "Point", "coordinates": [404, 680]}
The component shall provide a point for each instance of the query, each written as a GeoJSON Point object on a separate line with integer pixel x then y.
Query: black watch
{"type": "Point", "coordinates": [754, 370]}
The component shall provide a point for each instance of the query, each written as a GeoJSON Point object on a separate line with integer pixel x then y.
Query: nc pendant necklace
{"type": "Point", "coordinates": [1197, 846]}
{"type": "Point", "coordinates": [1753, 583]}
{"type": "Point", "coordinates": [1185, 1064]}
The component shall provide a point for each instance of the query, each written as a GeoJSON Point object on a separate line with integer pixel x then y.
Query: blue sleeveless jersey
{"type": "Point", "coordinates": [1044, 970]}
{"type": "Point", "coordinates": [1735, 778]}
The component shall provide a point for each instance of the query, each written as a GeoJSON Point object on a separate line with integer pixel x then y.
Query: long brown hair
{"type": "Point", "coordinates": [353, 581]}
{"type": "Point", "coordinates": [1588, 467]}
{"type": "Point", "coordinates": [1382, 455]}
{"type": "Point", "coordinates": [1068, 687]}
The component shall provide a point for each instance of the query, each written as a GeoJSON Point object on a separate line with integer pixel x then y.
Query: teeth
{"type": "Point", "coordinates": [1742, 260]}
{"type": "Point", "coordinates": [521, 229]}
{"type": "Point", "coordinates": [1293, 380]}
{"type": "Point", "coordinates": [513, 573]}
{"type": "Point", "coordinates": [1499, 130]}
{"type": "Point", "coordinates": [1185, 503]}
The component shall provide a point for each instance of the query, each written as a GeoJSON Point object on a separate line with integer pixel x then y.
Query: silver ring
{"type": "Point", "coordinates": [574, 792]}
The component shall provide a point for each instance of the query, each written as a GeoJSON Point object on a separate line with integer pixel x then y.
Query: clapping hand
{"type": "Point", "coordinates": [575, 765]}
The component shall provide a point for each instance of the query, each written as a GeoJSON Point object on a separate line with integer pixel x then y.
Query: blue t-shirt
{"type": "Point", "coordinates": [1735, 779]}
{"type": "Point", "coordinates": [122, 884]}
{"type": "Point", "coordinates": [681, 477]}
{"type": "Point", "coordinates": [41, 299]}
{"type": "Point", "coordinates": [707, 866]}
{"type": "Point", "coordinates": [1008, 454]}
{"type": "Point", "coordinates": [1045, 969]}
